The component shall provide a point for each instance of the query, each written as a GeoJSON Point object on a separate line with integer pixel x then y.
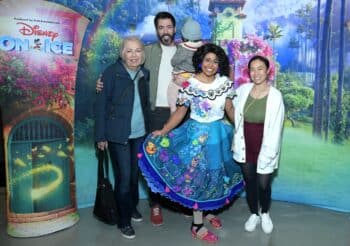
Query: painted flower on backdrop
{"type": "Point", "coordinates": [240, 51]}
{"type": "Point", "coordinates": [40, 84]}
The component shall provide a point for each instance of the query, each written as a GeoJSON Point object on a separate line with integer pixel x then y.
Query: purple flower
{"type": "Point", "coordinates": [163, 155]}
{"type": "Point", "coordinates": [187, 191]}
{"type": "Point", "coordinates": [205, 106]}
{"type": "Point", "coordinates": [176, 159]}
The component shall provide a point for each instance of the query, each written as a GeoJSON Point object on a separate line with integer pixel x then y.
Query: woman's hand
{"type": "Point", "coordinates": [102, 145]}
{"type": "Point", "coordinates": [230, 110]}
{"type": "Point", "coordinates": [99, 85]}
{"type": "Point", "coordinates": [159, 133]}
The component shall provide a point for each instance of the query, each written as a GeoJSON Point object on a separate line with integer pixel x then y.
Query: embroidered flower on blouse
{"type": "Point", "coordinates": [205, 106]}
{"type": "Point", "coordinates": [185, 84]}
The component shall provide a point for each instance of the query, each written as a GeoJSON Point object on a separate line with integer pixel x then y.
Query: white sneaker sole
{"type": "Point", "coordinates": [267, 231]}
{"type": "Point", "coordinates": [157, 224]}
{"type": "Point", "coordinates": [128, 237]}
{"type": "Point", "coordinates": [252, 229]}
{"type": "Point", "coordinates": [137, 220]}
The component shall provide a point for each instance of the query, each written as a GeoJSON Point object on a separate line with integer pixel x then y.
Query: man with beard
{"type": "Point", "coordinates": [158, 62]}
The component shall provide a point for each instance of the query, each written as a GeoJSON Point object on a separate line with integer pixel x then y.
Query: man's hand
{"type": "Point", "coordinates": [179, 79]}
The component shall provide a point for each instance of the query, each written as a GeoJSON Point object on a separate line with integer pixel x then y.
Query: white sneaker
{"type": "Point", "coordinates": [252, 222]}
{"type": "Point", "coordinates": [266, 223]}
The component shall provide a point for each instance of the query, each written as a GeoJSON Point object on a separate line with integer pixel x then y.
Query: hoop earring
{"type": "Point", "coordinates": [200, 66]}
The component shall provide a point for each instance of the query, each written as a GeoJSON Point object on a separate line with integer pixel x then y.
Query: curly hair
{"type": "Point", "coordinates": [201, 52]}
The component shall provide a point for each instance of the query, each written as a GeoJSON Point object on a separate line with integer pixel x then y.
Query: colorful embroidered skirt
{"type": "Point", "coordinates": [193, 165]}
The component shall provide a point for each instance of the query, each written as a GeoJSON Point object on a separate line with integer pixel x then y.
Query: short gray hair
{"type": "Point", "coordinates": [131, 38]}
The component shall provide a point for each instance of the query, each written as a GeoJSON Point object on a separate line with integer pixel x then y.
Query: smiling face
{"type": "Point", "coordinates": [166, 31]}
{"type": "Point", "coordinates": [258, 72]}
{"type": "Point", "coordinates": [133, 54]}
{"type": "Point", "coordinates": [210, 65]}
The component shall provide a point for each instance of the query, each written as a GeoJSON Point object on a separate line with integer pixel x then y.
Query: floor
{"type": "Point", "coordinates": [295, 225]}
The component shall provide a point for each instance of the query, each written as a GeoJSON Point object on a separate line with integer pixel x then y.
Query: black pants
{"type": "Point", "coordinates": [157, 119]}
{"type": "Point", "coordinates": [258, 188]}
{"type": "Point", "coordinates": [126, 173]}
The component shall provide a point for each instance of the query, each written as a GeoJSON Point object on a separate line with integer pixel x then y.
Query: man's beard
{"type": "Point", "coordinates": [166, 39]}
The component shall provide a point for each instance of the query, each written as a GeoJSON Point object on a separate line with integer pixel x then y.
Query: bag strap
{"type": "Point", "coordinates": [103, 170]}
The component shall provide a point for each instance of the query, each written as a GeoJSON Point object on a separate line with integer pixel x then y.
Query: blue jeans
{"type": "Point", "coordinates": [126, 175]}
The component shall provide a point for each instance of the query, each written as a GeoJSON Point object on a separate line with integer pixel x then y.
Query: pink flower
{"type": "Point", "coordinates": [185, 84]}
{"type": "Point", "coordinates": [245, 72]}
{"type": "Point", "coordinates": [39, 101]}
{"type": "Point", "coordinates": [240, 51]}
{"type": "Point", "coordinates": [272, 72]}
{"type": "Point", "coordinates": [241, 80]}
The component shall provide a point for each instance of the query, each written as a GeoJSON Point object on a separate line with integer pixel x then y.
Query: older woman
{"type": "Point", "coordinates": [121, 111]}
{"type": "Point", "coordinates": [259, 115]}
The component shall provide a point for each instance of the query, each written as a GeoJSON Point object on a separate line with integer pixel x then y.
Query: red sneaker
{"type": "Point", "coordinates": [156, 215]}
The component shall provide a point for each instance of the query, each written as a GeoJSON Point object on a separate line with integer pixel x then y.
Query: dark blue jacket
{"type": "Point", "coordinates": [114, 104]}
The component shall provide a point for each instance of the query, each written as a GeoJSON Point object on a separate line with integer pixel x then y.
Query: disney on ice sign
{"type": "Point", "coordinates": [44, 40]}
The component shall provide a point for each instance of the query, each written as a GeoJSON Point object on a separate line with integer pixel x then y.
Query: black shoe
{"type": "Point", "coordinates": [128, 232]}
{"type": "Point", "coordinates": [136, 216]}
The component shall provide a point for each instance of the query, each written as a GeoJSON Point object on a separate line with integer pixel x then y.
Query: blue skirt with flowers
{"type": "Point", "coordinates": [193, 165]}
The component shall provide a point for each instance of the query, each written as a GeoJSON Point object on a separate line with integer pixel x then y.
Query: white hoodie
{"type": "Point", "coordinates": [271, 144]}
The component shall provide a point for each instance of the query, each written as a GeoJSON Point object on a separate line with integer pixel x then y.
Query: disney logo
{"type": "Point", "coordinates": [28, 30]}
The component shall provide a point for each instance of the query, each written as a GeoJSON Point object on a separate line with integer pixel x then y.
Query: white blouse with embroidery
{"type": "Point", "coordinates": [206, 101]}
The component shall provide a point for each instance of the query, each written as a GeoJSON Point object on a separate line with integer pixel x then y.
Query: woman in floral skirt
{"type": "Point", "coordinates": [193, 164]}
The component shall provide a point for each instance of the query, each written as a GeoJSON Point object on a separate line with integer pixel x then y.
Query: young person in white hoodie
{"type": "Point", "coordinates": [259, 116]}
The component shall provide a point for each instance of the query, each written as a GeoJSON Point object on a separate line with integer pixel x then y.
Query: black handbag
{"type": "Point", "coordinates": [105, 208]}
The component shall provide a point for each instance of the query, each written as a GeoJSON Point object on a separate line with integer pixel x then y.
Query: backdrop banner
{"type": "Point", "coordinates": [40, 45]}
{"type": "Point", "coordinates": [314, 165]}
{"type": "Point", "coordinates": [295, 35]}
